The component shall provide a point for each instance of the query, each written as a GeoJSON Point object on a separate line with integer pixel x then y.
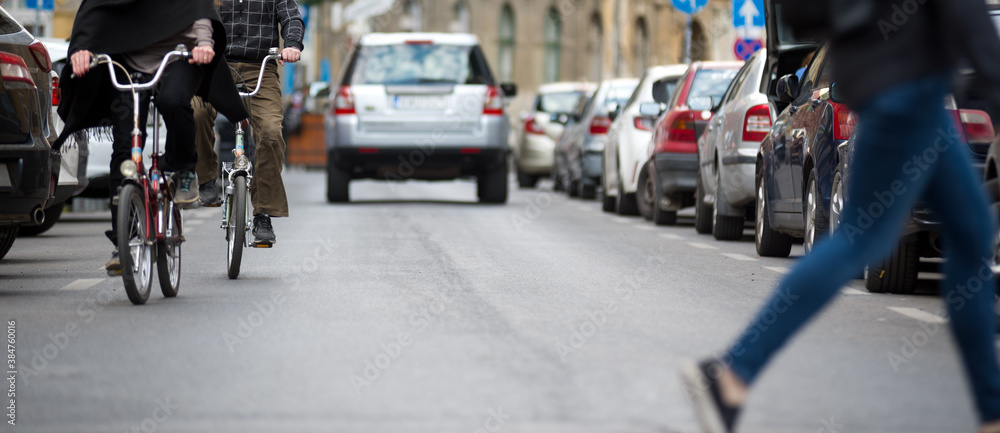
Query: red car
{"type": "Point", "coordinates": [673, 152]}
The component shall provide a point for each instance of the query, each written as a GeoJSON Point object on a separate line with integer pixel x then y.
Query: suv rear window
{"type": "Point", "coordinates": [414, 64]}
{"type": "Point", "coordinates": [559, 103]}
{"type": "Point", "coordinates": [711, 82]}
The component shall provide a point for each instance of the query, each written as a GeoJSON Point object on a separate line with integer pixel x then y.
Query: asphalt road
{"type": "Point", "coordinates": [416, 310]}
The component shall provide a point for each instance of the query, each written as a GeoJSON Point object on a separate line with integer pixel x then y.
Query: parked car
{"type": "Point", "coordinates": [580, 151]}
{"type": "Point", "coordinates": [921, 237]}
{"type": "Point", "coordinates": [542, 127]}
{"type": "Point", "coordinates": [727, 154]}
{"type": "Point", "coordinates": [672, 155]}
{"type": "Point", "coordinates": [29, 168]}
{"type": "Point", "coordinates": [625, 147]}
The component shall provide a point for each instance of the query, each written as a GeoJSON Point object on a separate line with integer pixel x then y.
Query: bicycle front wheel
{"type": "Point", "coordinates": [237, 227]}
{"type": "Point", "coordinates": [134, 250]}
{"type": "Point", "coordinates": [168, 256]}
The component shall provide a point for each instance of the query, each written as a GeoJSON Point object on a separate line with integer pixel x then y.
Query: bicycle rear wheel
{"type": "Point", "coordinates": [168, 257]}
{"type": "Point", "coordinates": [236, 230]}
{"type": "Point", "coordinates": [134, 250]}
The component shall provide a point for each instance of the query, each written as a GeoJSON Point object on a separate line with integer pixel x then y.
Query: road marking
{"type": "Point", "coordinates": [777, 269]}
{"type": "Point", "coordinates": [850, 291]}
{"type": "Point", "coordinates": [671, 236]}
{"type": "Point", "coordinates": [83, 284]}
{"type": "Point", "coordinates": [740, 257]}
{"type": "Point", "coordinates": [702, 246]}
{"type": "Point", "coordinates": [920, 315]}
{"type": "Point", "coordinates": [645, 227]}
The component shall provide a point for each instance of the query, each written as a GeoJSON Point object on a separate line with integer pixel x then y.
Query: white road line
{"type": "Point", "coordinates": [740, 257]}
{"type": "Point", "coordinates": [83, 284]}
{"type": "Point", "coordinates": [777, 269]}
{"type": "Point", "coordinates": [702, 246]}
{"type": "Point", "coordinates": [920, 315]}
{"type": "Point", "coordinates": [645, 227]}
{"type": "Point", "coordinates": [671, 236]}
{"type": "Point", "coordinates": [850, 291]}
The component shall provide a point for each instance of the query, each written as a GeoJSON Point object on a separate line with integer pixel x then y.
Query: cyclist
{"type": "Point", "coordinates": [138, 34]}
{"type": "Point", "coordinates": [253, 27]}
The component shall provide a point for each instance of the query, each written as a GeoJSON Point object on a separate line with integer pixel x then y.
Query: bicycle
{"type": "Point", "coordinates": [149, 223]}
{"type": "Point", "coordinates": [236, 178]}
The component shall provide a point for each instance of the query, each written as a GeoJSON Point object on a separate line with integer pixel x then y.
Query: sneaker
{"type": "Point", "coordinates": [702, 385]}
{"type": "Point", "coordinates": [263, 233]}
{"type": "Point", "coordinates": [114, 265]}
{"type": "Point", "coordinates": [209, 194]}
{"type": "Point", "coordinates": [187, 192]}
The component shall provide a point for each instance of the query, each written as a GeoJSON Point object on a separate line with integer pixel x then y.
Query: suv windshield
{"type": "Point", "coordinates": [408, 64]}
{"type": "Point", "coordinates": [711, 82]}
{"type": "Point", "coordinates": [559, 103]}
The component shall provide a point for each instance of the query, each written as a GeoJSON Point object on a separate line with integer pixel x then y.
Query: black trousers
{"type": "Point", "coordinates": [177, 86]}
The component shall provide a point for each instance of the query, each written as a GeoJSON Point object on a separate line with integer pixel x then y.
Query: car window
{"type": "Point", "coordinates": [8, 25]}
{"type": "Point", "coordinates": [736, 84]}
{"type": "Point", "coordinates": [412, 64]}
{"type": "Point", "coordinates": [814, 74]}
{"type": "Point", "coordinates": [558, 103]}
{"type": "Point", "coordinates": [711, 82]}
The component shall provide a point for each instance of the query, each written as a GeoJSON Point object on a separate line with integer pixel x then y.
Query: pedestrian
{"type": "Point", "coordinates": [138, 34]}
{"type": "Point", "coordinates": [252, 28]}
{"type": "Point", "coordinates": [893, 65]}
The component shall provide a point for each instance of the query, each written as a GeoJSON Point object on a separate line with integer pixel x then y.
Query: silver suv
{"type": "Point", "coordinates": [418, 106]}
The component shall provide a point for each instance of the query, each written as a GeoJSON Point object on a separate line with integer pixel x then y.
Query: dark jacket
{"type": "Point", "coordinates": [252, 27]}
{"type": "Point", "coordinates": [116, 27]}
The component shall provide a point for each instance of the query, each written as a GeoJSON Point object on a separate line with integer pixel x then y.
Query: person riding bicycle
{"type": "Point", "coordinates": [253, 27]}
{"type": "Point", "coordinates": [138, 34]}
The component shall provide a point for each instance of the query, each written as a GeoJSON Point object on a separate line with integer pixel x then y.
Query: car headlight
{"type": "Point", "coordinates": [129, 169]}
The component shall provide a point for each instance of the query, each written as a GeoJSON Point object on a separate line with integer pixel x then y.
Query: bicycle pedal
{"type": "Point", "coordinates": [117, 273]}
{"type": "Point", "coordinates": [262, 245]}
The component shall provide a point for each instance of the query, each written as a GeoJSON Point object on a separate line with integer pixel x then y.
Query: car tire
{"type": "Point", "coordinates": [338, 183]}
{"type": "Point", "coordinates": [661, 217]}
{"type": "Point", "coordinates": [817, 222]}
{"type": "Point", "coordinates": [646, 196]}
{"type": "Point", "coordinates": [492, 185]}
{"type": "Point", "coordinates": [625, 203]}
{"type": "Point", "coordinates": [7, 237]}
{"type": "Point", "coordinates": [573, 188]}
{"type": "Point", "coordinates": [526, 181]}
{"type": "Point", "coordinates": [897, 273]}
{"type": "Point", "coordinates": [702, 211]}
{"type": "Point", "coordinates": [52, 215]}
{"type": "Point", "coordinates": [769, 242]}
{"type": "Point", "coordinates": [608, 204]}
{"type": "Point", "coordinates": [587, 191]}
{"type": "Point", "coordinates": [725, 228]}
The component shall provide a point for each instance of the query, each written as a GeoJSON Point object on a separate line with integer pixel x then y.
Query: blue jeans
{"type": "Point", "coordinates": [906, 151]}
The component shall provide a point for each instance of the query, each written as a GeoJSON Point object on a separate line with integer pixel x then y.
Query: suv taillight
{"type": "Point", "coordinates": [757, 123]}
{"type": "Point", "coordinates": [844, 121]}
{"type": "Point", "coordinates": [41, 56]}
{"type": "Point", "coordinates": [977, 125]}
{"type": "Point", "coordinates": [13, 69]}
{"type": "Point", "coordinates": [343, 104]}
{"type": "Point", "coordinates": [532, 127]}
{"type": "Point", "coordinates": [493, 102]}
{"type": "Point", "coordinates": [56, 96]}
{"type": "Point", "coordinates": [600, 125]}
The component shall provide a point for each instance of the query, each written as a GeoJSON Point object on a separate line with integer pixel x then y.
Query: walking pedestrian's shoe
{"type": "Point", "coordinates": [702, 385]}
{"type": "Point", "coordinates": [263, 233]}
{"type": "Point", "coordinates": [209, 194]}
{"type": "Point", "coordinates": [186, 195]}
{"type": "Point", "coordinates": [114, 266]}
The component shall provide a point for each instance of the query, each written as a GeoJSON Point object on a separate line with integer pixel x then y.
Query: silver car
{"type": "Point", "coordinates": [727, 153]}
{"type": "Point", "coordinates": [542, 127]}
{"type": "Point", "coordinates": [418, 106]}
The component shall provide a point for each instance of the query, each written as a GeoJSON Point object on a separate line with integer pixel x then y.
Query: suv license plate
{"type": "Point", "coordinates": [406, 102]}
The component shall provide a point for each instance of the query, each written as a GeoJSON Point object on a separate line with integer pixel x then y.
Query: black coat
{"type": "Point", "coordinates": [117, 27]}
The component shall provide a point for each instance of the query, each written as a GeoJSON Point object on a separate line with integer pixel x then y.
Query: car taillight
{"type": "Point", "coordinates": [13, 69]}
{"type": "Point", "coordinates": [41, 56]}
{"type": "Point", "coordinates": [532, 127]}
{"type": "Point", "coordinates": [644, 123]}
{"type": "Point", "coordinates": [844, 121]}
{"type": "Point", "coordinates": [600, 125]}
{"type": "Point", "coordinates": [682, 127]}
{"type": "Point", "coordinates": [493, 102]}
{"type": "Point", "coordinates": [757, 123]}
{"type": "Point", "coordinates": [977, 125]}
{"type": "Point", "coordinates": [56, 96]}
{"type": "Point", "coordinates": [680, 134]}
{"type": "Point", "coordinates": [344, 103]}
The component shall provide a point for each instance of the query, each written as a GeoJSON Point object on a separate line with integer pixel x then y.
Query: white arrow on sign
{"type": "Point", "coordinates": [749, 11]}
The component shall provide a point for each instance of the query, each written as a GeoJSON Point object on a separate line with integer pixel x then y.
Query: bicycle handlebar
{"type": "Point", "coordinates": [180, 51]}
{"type": "Point", "coordinates": [272, 54]}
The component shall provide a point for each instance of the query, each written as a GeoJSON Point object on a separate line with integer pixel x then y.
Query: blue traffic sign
{"type": "Point", "coordinates": [748, 13]}
{"type": "Point", "coordinates": [744, 48]}
{"type": "Point", "coordinates": [46, 4]}
{"type": "Point", "coordinates": [690, 7]}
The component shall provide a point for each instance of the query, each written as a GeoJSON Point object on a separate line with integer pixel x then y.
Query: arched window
{"type": "Point", "coordinates": [596, 48]}
{"type": "Point", "coordinates": [640, 47]}
{"type": "Point", "coordinates": [507, 43]}
{"type": "Point", "coordinates": [553, 46]}
{"type": "Point", "coordinates": [461, 22]}
{"type": "Point", "coordinates": [414, 15]}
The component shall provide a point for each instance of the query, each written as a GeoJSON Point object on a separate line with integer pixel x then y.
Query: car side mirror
{"type": "Point", "coordinates": [613, 111]}
{"type": "Point", "coordinates": [787, 88]}
{"type": "Point", "coordinates": [701, 103]}
{"type": "Point", "coordinates": [509, 89]}
{"type": "Point", "coordinates": [661, 90]}
{"type": "Point", "coordinates": [560, 118]}
{"type": "Point", "coordinates": [835, 94]}
{"type": "Point", "coordinates": [651, 109]}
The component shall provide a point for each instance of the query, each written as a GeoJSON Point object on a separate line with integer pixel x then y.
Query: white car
{"type": "Point", "coordinates": [542, 127]}
{"type": "Point", "coordinates": [625, 148]}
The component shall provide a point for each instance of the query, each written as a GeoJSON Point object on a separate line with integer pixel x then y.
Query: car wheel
{"type": "Point", "coordinates": [526, 181]}
{"type": "Point", "coordinates": [587, 191]}
{"type": "Point", "coordinates": [661, 217]}
{"type": "Point", "coordinates": [815, 217]}
{"type": "Point", "coordinates": [609, 204]}
{"type": "Point", "coordinates": [573, 188]}
{"type": "Point", "coordinates": [7, 237]}
{"type": "Point", "coordinates": [898, 273]}
{"type": "Point", "coordinates": [52, 215]}
{"type": "Point", "coordinates": [769, 243]}
{"type": "Point", "coordinates": [338, 183]}
{"type": "Point", "coordinates": [836, 202]}
{"type": "Point", "coordinates": [492, 185]}
{"type": "Point", "coordinates": [646, 196]}
{"type": "Point", "coordinates": [725, 228]}
{"type": "Point", "coordinates": [702, 211]}
{"type": "Point", "coordinates": [625, 203]}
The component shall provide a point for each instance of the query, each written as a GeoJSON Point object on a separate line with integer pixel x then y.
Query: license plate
{"type": "Point", "coordinates": [406, 102]}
